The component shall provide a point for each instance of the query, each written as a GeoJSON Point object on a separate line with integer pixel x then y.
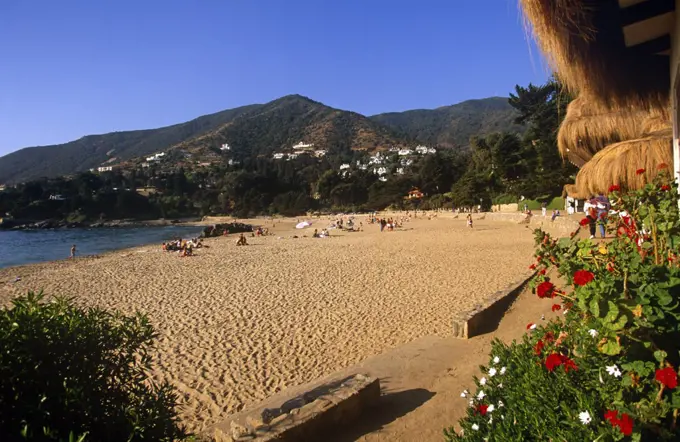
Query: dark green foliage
{"type": "Point", "coordinates": [70, 372]}
{"type": "Point", "coordinates": [452, 126]}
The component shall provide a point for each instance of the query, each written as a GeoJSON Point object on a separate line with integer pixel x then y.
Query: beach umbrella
{"type": "Point", "coordinates": [303, 224]}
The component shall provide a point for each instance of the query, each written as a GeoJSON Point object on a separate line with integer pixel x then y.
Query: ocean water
{"type": "Point", "coordinates": [26, 247]}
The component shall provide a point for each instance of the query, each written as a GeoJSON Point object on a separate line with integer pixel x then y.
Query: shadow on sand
{"type": "Point", "coordinates": [392, 406]}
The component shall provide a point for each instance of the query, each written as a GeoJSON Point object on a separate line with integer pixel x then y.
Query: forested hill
{"type": "Point", "coordinates": [452, 126]}
{"type": "Point", "coordinates": [280, 124]}
{"type": "Point", "coordinates": [94, 150]}
{"type": "Point", "coordinates": [262, 129]}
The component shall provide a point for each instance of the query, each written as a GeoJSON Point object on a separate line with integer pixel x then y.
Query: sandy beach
{"type": "Point", "coordinates": [237, 324]}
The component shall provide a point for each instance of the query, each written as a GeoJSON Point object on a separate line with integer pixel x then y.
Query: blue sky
{"type": "Point", "coordinates": [77, 67]}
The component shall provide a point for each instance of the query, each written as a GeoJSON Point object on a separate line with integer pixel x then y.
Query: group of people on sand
{"type": "Point", "coordinates": [324, 233]}
{"type": "Point", "coordinates": [184, 247]}
{"type": "Point", "coordinates": [390, 224]}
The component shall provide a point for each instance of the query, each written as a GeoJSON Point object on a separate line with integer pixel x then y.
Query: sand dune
{"type": "Point", "coordinates": [240, 323]}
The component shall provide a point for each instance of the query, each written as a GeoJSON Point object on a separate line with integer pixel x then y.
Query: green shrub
{"type": "Point", "coordinates": [553, 203]}
{"type": "Point", "coordinates": [70, 373]}
{"type": "Point", "coordinates": [606, 370]}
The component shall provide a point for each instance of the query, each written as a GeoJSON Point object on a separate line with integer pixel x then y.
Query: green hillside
{"type": "Point", "coordinates": [452, 126]}
{"type": "Point", "coordinates": [94, 150]}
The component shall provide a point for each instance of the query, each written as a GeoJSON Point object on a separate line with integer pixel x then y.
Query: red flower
{"type": "Point", "coordinates": [542, 272]}
{"type": "Point", "coordinates": [556, 307]}
{"type": "Point", "coordinates": [666, 187]}
{"type": "Point", "coordinates": [532, 267]}
{"type": "Point", "coordinates": [640, 171]}
{"type": "Point", "coordinates": [611, 416]}
{"type": "Point", "coordinates": [552, 361]}
{"type": "Point", "coordinates": [625, 424]}
{"type": "Point", "coordinates": [568, 364]}
{"type": "Point", "coordinates": [667, 376]}
{"type": "Point", "coordinates": [545, 289]}
{"type": "Point", "coordinates": [614, 188]}
{"type": "Point", "coordinates": [610, 267]}
{"type": "Point", "coordinates": [583, 277]}
{"type": "Point", "coordinates": [482, 408]}
{"type": "Point", "coordinates": [555, 360]}
{"type": "Point", "coordinates": [538, 348]}
{"type": "Point", "coordinates": [662, 166]}
{"type": "Point", "coordinates": [549, 337]}
{"type": "Point", "coordinates": [584, 222]}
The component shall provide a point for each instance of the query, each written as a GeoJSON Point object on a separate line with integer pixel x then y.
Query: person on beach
{"type": "Point", "coordinates": [469, 220]}
{"type": "Point", "coordinates": [544, 209]}
{"type": "Point", "coordinates": [242, 240]}
{"type": "Point", "coordinates": [592, 220]}
{"type": "Point", "coordinates": [73, 251]}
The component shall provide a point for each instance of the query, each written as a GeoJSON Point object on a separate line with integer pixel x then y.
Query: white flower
{"type": "Point", "coordinates": [564, 312]}
{"type": "Point", "coordinates": [472, 403]}
{"type": "Point", "coordinates": [532, 327]}
{"type": "Point", "coordinates": [503, 417]}
{"type": "Point", "coordinates": [585, 418]}
{"type": "Point", "coordinates": [496, 360]}
{"type": "Point", "coordinates": [482, 381]}
{"type": "Point", "coordinates": [614, 371]}
{"type": "Point", "coordinates": [464, 393]}
{"type": "Point", "coordinates": [503, 370]}
{"type": "Point", "coordinates": [500, 385]}
{"type": "Point", "coordinates": [475, 427]}
{"type": "Point", "coordinates": [592, 332]}
{"type": "Point", "coordinates": [490, 408]}
{"type": "Point", "coordinates": [480, 395]}
{"type": "Point", "coordinates": [492, 372]}
{"type": "Point", "coordinates": [501, 404]}
{"type": "Point", "coordinates": [491, 420]}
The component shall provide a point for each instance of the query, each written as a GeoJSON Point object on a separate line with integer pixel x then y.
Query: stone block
{"type": "Point", "coordinates": [312, 415]}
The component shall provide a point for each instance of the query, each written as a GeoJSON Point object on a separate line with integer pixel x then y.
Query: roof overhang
{"type": "Point", "coordinates": [618, 51]}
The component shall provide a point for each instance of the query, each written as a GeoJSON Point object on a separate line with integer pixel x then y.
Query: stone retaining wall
{"type": "Point", "coordinates": [303, 417]}
{"type": "Point", "coordinates": [562, 226]}
{"type": "Point", "coordinates": [484, 317]}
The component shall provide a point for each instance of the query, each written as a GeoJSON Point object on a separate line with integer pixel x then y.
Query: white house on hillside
{"type": "Point", "coordinates": [225, 146]}
{"type": "Point", "coordinates": [302, 145]}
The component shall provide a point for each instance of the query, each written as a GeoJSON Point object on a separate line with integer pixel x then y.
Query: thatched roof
{"type": "Point", "coordinates": [607, 49]}
{"type": "Point", "coordinates": [618, 164]}
{"type": "Point", "coordinates": [588, 127]}
{"type": "Point", "coordinates": [573, 191]}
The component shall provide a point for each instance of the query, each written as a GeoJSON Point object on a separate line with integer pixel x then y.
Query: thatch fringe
{"type": "Point", "coordinates": [588, 127]}
{"type": "Point", "coordinates": [618, 164]}
{"type": "Point", "coordinates": [572, 190]}
{"type": "Point", "coordinates": [583, 43]}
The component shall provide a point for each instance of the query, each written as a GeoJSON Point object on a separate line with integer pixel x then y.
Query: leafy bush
{"type": "Point", "coordinates": [607, 370]}
{"type": "Point", "coordinates": [69, 373]}
{"type": "Point", "coordinates": [553, 203]}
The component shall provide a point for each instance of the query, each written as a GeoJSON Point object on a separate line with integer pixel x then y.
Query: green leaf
{"type": "Point", "coordinates": [618, 325]}
{"type": "Point", "coordinates": [660, 355]}
{"type": "Point", "coordinates": [663, 297]}
{"type": "Point", "coordinates": [610, 348]}
{"type": "Point", "coordinates": [595, 308]}
{"type": "Point", "coordinates": [612, 313]}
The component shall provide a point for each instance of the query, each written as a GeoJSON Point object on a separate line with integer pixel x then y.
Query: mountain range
{"type": "Point", "coordinates": [261, 129]}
